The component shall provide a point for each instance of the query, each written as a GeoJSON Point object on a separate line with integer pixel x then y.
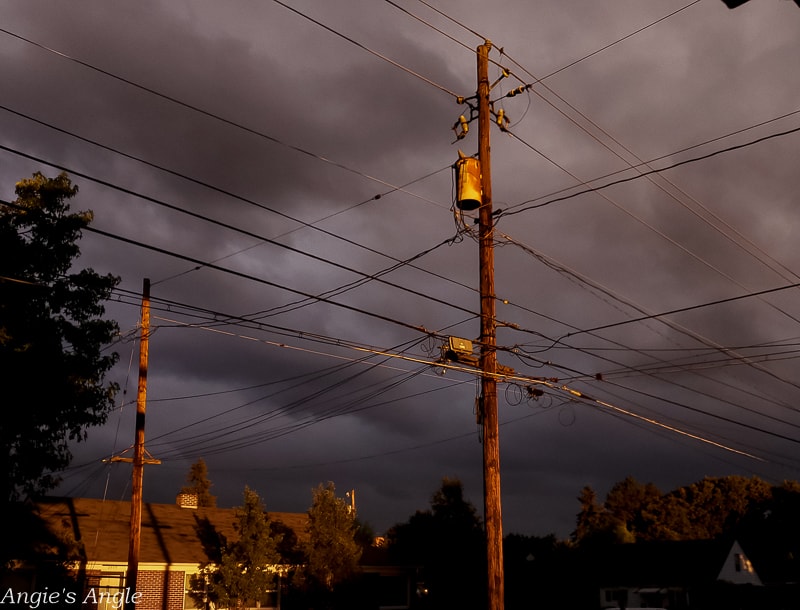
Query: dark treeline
{"type": "Point", "coordinates": [713, 507]}
{"type": "Point", "coordinates": [447, 540]}
{"type": "Point", "coordinates": [444, 545]}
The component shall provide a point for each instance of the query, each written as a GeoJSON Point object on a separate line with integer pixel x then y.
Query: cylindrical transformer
{"type": "Point", "coordinates": [468, 183]}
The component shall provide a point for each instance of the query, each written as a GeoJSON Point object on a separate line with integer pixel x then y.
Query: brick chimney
{"type": "Point", "coordinates": [187, 500]}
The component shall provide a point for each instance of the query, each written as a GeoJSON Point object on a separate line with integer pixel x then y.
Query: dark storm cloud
{"type": "Point", "coordinates": [342, 126]}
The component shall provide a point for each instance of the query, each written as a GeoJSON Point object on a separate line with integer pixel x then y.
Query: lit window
{"type": "Point", "coordinates": [743, 564]}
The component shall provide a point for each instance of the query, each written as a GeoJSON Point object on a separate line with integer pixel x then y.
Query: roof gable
{"type": "Point", "coordinates": [737, 567]}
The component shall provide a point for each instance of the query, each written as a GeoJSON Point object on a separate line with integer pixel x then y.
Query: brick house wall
{"type": "Point", "coordinates": [160, 590]}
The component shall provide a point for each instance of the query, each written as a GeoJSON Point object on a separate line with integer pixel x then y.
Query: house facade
{"type": "Point", "coordinates": [96, 533]}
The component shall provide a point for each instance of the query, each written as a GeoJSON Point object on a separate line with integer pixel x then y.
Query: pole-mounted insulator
{"type": "Point", "coordinates": [502, 120]}
{"type": "Point", "coordinates": [462, 124]}
{"type": "Point", "coordinates": [518, 90]}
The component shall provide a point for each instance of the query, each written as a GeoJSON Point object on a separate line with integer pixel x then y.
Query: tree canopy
{"type": "Point", "coordinates": [332, 550]}
{"type": "Point", "coordinates": [52, 336]}
{"type": "Point", "coordinates": [242, 571]}
{"type": "Point", "coordinates": [709, 508]}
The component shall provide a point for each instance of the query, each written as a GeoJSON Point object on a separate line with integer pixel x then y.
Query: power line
{"type": "Point", "coordinates": [259, 437]}
{"type": "Point", "coordinates": [212, 445]}
{"type": "Point", "coordinates": [213, 266]}
{"type": "Point", "coordinates": [197, 109]}
{"type": "Point", "coordinates": [640, 370]}
{"type": "Point", "coordinates": [430, 25]}
{"type": "Point", "coordinates": [689, 252]}
{"type": "Point", "coordinates": [740, 297]}
{"type": "Point", "coordinates": [700, 351]}
{"type": "Point", "coordinates": [653, 374]}
{"type": "Point", "coordinates": [312, 226]}
{"type": "Point", "coordinates": [730, 233]}
{"type": "Point", "coordinates": [650, 373]}
{"type": "Point", "coordinates": [762, 451]}
{"type": "Point", "coordinates": [254, 438]}
{"type": "Point", "coordinates": [671, 324]}
{"type": "Point", "coordinates": [655, 422]}
{"type": "Point", "coordinates": [392, 187]}
{"type": "Point", "coordinates": [367, 49]}
{"type": "Point", "coordinates": [211, 318]}
{"type": "Point", "coordinates": [373, 277]}
{"type": "Point", "coordinates": [130, 241]}
{"type": "Point", "coordinates": [537, 80]}
{"type": "Point", "coordinates": [458, 23]}
{"type": "Point", "coordinates": [274, 433]}
{"type": "Point", "coordinates": [690, 363]}
{"type": "Point", "coordinates": [247, 276]}
{"type": "Point", "coordinates": [772, 262]}
{"type": "Point", "coordinates": [595, 189]}
{"type": "Point", "coordinates": [713, 415]}
{"type": "Point", "coordinates": [611, 44]}
{"type": "Point", "coordinates": [651, 161]}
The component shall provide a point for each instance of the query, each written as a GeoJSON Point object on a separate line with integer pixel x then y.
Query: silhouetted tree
{"type": "Point", "coordinates": [591, 517]}
{"type": "Point", "coordinates": [631, 503]}
{"type": "Point", "coordinates": [706, 509]}
{"type": "Point", "coordinates": [47, 550]}
{"type": "Point", "coordinates": [717, 505]}
{"type": "Point", "coordinates": [596, 524]}
{"type": "Point", "coordinates": [448, 542]}
{"type": "Point", "coordinates": [199, 483]}
{"type": "Point", "coordinates": [52, 336]}
{"type": "Point", "coordinates": [534, 563]}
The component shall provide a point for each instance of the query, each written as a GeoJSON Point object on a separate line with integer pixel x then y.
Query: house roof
{"type": "Point", "coordinates": [170, 534]}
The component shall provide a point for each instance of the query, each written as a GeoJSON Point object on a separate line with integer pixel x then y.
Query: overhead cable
{"type": "Point", "coordinates": [367, 49]}
{"type": "Point", "coordinates": [197, 109]}
{"type": "Point", "coordinates": [245, 232]}
{"type": "Point", "coordinates": [674, 325]}
{"type": "Point", "coordinates": [595, 189]}
{"type": "Point", "coordinates": [310, 225]}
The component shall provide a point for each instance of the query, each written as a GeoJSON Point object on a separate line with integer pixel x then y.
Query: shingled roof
{"type": "Point", "coordinates": [170, 533]}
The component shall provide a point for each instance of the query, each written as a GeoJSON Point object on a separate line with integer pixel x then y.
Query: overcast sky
{"type": "Point", "coordinates": [312, 143]}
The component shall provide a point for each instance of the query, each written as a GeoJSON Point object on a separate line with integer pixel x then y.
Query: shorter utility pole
{"type": "Point", "coordinates": [138, 452]}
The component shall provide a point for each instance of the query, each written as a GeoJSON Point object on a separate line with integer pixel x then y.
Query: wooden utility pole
{"type": "Point", "coordinates": [488, 360]}
{"type": "Point", "coordinates": [138, 452]}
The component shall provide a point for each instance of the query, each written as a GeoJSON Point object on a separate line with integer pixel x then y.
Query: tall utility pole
{"type": "Point", "coordinates": [488, 360]}
{"type": "Point", "coordinates": [138, 452]}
